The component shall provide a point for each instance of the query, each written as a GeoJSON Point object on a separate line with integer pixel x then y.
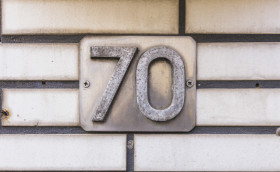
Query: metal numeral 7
{"type": "Point", "coordinates": [126, 55]}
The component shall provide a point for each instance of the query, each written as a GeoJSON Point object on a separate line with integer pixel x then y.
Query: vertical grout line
{"type": "Point", "coordinates": [182, 17]}
{"type": "Point", "coordinates": [130, 152]}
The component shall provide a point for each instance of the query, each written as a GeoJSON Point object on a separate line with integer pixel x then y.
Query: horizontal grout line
{"type": "Point", "coordinates": [79, 130]}
{"type": "Point", "coordinates": [42, 38]}
{"type": "Point", "coordinates": [200, 38]}
{"type": "Point", "coordinates": [69, 38]}
{"type": "Point", "coordinates": [234, 130]}
{"type": "Point", "coordinates": [39, 84]}
{"type": "Point", "coordinates": [42, 130]}
{"type": "Point", "coordinates": [200, 84]}
{"type": "Point", "coordinates": [239, 84]}
{"type": "Point", "coordinates": [203, 38]}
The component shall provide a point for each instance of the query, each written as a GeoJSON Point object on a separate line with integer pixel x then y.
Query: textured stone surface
{"type": "Point", "coordinates": [238, 61]}
{"type": "Point", "coordinates": [238, 16]}
{"type": "Point", "coordinates": [62, 152]}
{"type": "Point", "coordinates": [41, 107]}
{"type": "Point", "coordinates": [178, 84]}
{"type": "Point", "coordinates": [125, 55]}
{"type": "Point", "coordinates": [89, 16]}
{"type": "Point", "coordinates": [238, 107]}
{"type": "Point", "coordinates": [212, 152]}
{"type": "Point", "coordinates": [38, 61]}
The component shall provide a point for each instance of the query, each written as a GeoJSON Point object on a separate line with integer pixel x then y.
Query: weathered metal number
{"type": "Point", "coordinates": [126, 55]}
{"type": "Point", "coordinates": [178, 86]}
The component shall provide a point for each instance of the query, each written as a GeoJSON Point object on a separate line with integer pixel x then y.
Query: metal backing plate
{"type": "Point", "coordinates": [124, 114]}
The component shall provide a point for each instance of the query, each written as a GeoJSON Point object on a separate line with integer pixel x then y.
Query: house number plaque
{"type": "Point", "coordinates": [138, 84]}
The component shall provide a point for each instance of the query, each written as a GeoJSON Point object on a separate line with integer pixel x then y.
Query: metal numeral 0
{"type": "Point", "coordinates": [178, 85]}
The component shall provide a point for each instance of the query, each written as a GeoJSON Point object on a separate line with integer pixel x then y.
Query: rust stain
{"type": "Point", "coordinates": [5, 114]}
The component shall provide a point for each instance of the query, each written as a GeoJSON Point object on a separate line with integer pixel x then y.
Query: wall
{"type": "Point", "coordinates": [238, 81]}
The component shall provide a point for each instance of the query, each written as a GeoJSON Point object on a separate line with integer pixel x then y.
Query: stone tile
{"type": "Point", "coordinates": [89, 16]}
{"type": "Point", "coordinates": [62, 152]}
{"type": "Point", "coordinates": [238, 61]}
{"type": "Point", "coordinates": [41, 107]}
{"type": "Point", "coordinates": [238, 107]}
{"type": "Point", "coordinates": [207, 152]}
{"type": "Point", "coordinates": [39, 61]}
{"type": "Point", "coordinates": [238, 16]}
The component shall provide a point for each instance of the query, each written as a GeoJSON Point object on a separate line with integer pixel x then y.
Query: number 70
{"type": "Point", "coordinates": [126, 55]}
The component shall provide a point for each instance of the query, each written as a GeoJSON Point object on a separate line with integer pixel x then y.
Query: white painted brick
{"type": "Point", "coordinates": [207, 152]}
{"type": "Point", "coordinates": [238, 16]}
{"type": "Point", "coordinates": [41, 107]}
{"type": "Point", "coordinates": [238, 107]}
{"type": "Point", "coordinates": [39, 61]}
{"type": "Point", "coordinates": [89, 16]}
{"type": "Point", "coordinates": [238, 61]}
{"type": "Point", "coordinates": [62, 152]}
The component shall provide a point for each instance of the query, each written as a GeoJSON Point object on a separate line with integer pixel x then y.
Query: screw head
{"type": "Point", "coordinates": [4, 114]}
{"type": "Point", "coordinates": [86, 84]}
{"type": "Point", "coordinates": [189, 83]}
{"type": "Point", "coordinates": [278, 131]}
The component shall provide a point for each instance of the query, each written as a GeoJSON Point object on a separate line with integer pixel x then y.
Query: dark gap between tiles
{"type": "Point", "coordinates": [238, 84]}
{"type": "Point", "coordinates": [130, 153]}
{"type": "Point", "coordinates": [182, 16]}
{"type": "Point", "coordinates": [199, 38]}
{"type": "Point", "coordinates": [196, 130]}
{"type": "Point", "coordinates": [39, 84]}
